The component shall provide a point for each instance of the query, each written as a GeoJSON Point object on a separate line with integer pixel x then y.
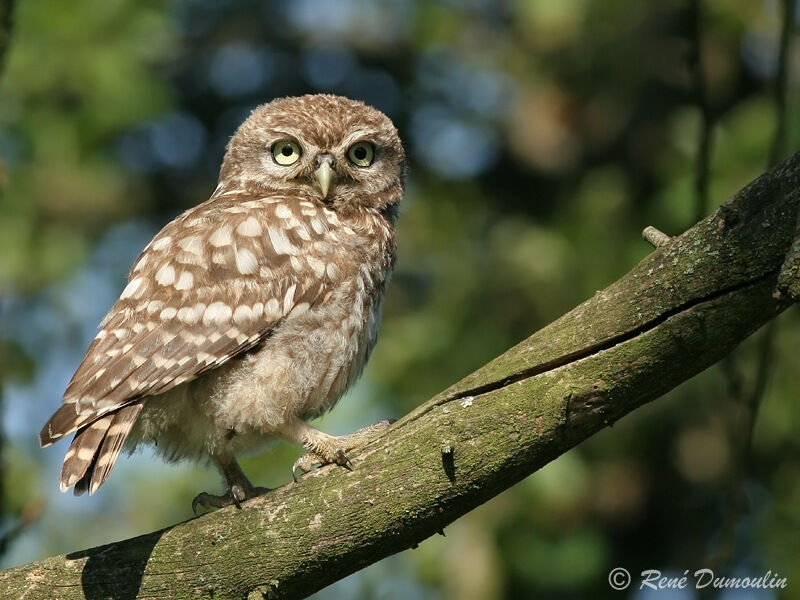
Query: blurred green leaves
{"type": "Point", "coordinates": [77, 75]}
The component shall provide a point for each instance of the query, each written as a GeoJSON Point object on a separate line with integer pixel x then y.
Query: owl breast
{"type": "Point", "coordinates": [300, 370]}
{"type": "Point", "coordinates": [307, 364]}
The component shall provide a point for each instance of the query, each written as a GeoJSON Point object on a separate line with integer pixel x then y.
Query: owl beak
{"type": "Point", "coordinates": [324, 175]}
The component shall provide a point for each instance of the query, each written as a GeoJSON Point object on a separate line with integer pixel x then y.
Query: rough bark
{"type": "Point", "coordinates": [685, 306]}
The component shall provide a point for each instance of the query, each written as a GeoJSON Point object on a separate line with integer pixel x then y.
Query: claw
{"type": "Point", "coordinates": [343, 460]}
{"type": "Point", "coordinates": [236, 495]}
{"type": "Point", "coordinates": [312, 460]}
{"type": "Point", "coordinates": [304, 464]}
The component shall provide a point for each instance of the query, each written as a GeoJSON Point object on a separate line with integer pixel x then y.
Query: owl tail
{"type": "Point", "coordinates": [95, 448]}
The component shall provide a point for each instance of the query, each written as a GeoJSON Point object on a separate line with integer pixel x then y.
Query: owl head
{"type": "Point", "coordinates": [341, 151]}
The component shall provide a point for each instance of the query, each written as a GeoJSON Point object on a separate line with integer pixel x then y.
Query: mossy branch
{"type": "Point", "coordinates": [680, 310]}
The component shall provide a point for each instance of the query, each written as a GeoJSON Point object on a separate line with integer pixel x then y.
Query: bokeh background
{"type": "Point", "coordinates": [542, 137]}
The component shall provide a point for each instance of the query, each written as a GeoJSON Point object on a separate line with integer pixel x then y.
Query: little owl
{"type": "Point", "coordinates": [253, 312]}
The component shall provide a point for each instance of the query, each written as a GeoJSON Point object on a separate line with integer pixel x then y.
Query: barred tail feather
{"type": "Point", "coordinates": [82, 451]}
{"type": "Point", "coordinates": [112, 444]}
{"type": "Point", "coordinates": [95, 449]}
{"type": "Point", "coordinates": [65, 420]}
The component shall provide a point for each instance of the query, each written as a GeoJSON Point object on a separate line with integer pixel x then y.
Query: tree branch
{"type": "Point", "coordinates": [680, 310]}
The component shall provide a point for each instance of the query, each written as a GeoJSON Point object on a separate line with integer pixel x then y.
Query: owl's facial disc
{"type": "Point", "coordinates": [324, 175]}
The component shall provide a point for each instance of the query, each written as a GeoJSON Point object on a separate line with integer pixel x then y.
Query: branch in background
{"type": "Point", "coordinates": [680, 310]}
{"type": "Point", "coordinates": [790, 272]}
{"type": "Point", "coordinates": [781, 82]}
{"type": "Point", "coordinates": [767, 343]}
{"type": "Point", "coordinates": [789, 284]}
{"type": "Point", "coordinates": [703, 168]}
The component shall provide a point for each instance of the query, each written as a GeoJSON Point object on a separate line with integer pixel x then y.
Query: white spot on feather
{"type": "Point", "coordinates": [316, 265]}
{"type": "Point", "coordinates": [162, 243]}
{"type": "Point", "coordinates": [217, 312]}
{"type": "Point", "coordinates": [331, 216]}
{"type": "Point", "coordinates": [192, 244]}
{"type": "Point", "coordinates": [185, 281]}
{"type": "Point", "coordinates": [188, 315]}
{"type": "Point", "coordinates": [288, 299]}
{"type": "Point", "coordinates": [85, 453]}
{"type": "Point", "coordinates": [272, 308]}
{"type": "Point", "coordinates": [142, 262]}
{"type": "Point", "coordinates": [250, 227]}
{"type": "Point", "coordinates": [242, 314]}
{"type": "Point", "coordinates": [257, 310]}
{"type": "Point", "coordinates": [246, 261]}
{"type": "Point", "coordinates": [165, 275]}
{"type": "Point", "coordinates": [280, 243]}
{"type": "Point", "coordinates": [221, 237]}
{"type": "Point", "coordinates": [332, 270]}
{"type": "Point", "coordinates": [318, 226]}
{"type": "Point", "coordinates": [283, 212]}
{"type": "Point", "coordinates": [131, 288]}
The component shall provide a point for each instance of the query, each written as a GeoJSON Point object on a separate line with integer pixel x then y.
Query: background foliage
{"type": "Point", "coordinates": [542, 137]}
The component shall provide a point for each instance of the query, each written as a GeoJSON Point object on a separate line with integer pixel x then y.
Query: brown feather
{"type": "Point", "coordinates": [59, 425]}
{"type": "Point", "coordinates": [82, 486]}
{"type": "Point", "coordinates": [112, 444]}
{"type": "Point", "coordinates": [82, 451]}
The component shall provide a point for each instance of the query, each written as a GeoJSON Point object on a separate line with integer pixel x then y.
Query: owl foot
{"type": "Point", "coordinates": [311, 460]}
{"type": "Point", "coordinates": [327, 449]}
{"type": "Point", "coordinates": [236, 495]}
{"type": "Point", "coordinates": [239, 487]}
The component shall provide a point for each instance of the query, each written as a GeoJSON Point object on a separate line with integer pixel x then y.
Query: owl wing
{"type": "Point", "coordinates": [211, 285]}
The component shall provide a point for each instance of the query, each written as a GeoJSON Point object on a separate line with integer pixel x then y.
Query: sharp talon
{"type": "Point", "coordinates": [306, 463]}
{"type": "Point", "coordinates": [237, 495]}
{"type": "Point", "coordinates": [343, 460]}
{"type": "Point", "coordinates": [200, 500]}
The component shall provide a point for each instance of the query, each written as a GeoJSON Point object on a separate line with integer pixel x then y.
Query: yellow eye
{"type": "Point", "coordinates": [286, 152]}
{"type": "Point", "coordinates": [361, 154]}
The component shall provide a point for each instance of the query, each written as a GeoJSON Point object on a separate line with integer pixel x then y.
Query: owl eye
{"type": "Point", "coordinates": [361, 154]}
{"type": "Point", "coordinates": [286, 152]}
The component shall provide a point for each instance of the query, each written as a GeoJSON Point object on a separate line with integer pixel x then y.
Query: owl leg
{"type": "Point", "coordinates": [239, 486]}
{"type": "Point", "coordinates": [324, 449]}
